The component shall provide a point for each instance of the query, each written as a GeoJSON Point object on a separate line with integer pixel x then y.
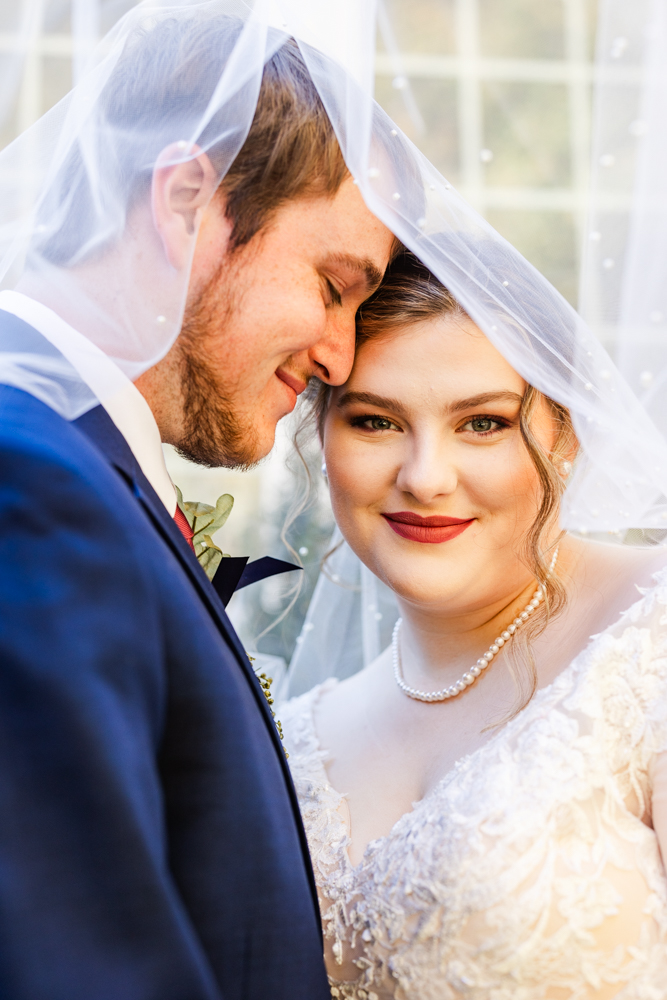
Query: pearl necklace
{"type": "Point", "coordinates": [471, 675]}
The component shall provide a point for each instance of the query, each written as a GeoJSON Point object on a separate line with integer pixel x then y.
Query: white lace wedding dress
{"type": "Point", "coordinates": [531, 870]}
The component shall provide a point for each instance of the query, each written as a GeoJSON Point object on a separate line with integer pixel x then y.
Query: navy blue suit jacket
{"type": "Point", "coordinates": [150, 841]}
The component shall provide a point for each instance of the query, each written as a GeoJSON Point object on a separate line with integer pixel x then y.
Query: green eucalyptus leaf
{"type": "Point", "coordinates": [223, 508]}
{"type": "Point", "coordinates": [210, 556]}
{"type": "Point", "coordinates": [204, 521]}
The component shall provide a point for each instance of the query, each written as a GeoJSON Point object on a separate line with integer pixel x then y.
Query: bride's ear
{"type": "Point", "coordinates": [184, 181]}
{"type": "Point", "coordinates": [566, 450]}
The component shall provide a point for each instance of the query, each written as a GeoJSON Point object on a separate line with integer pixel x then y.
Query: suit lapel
{"type": "Point", "coordinates": [101, 430]}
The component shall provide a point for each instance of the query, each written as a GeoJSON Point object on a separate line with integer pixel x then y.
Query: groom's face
{"type": "Point", "coordinates": [264, 319]}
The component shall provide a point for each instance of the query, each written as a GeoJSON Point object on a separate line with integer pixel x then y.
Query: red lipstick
{"type": "Point", "coordinates": [432, 530]}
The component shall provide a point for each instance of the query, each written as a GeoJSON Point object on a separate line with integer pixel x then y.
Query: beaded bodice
{"type": "Point", "coordinates": [531, 870]}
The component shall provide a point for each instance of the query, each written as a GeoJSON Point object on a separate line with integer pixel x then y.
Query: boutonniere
{"type": "Point", "coordinates": [204, 521]}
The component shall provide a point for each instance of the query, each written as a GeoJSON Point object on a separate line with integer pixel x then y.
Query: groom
{"type": "Point", "coordinates": [150, 841]}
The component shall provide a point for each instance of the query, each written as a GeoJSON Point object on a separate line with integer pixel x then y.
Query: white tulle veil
{"type": "Point", "coordinates": [624, 299]}
{"type": "Point", "coordinates": [623, 288]}
{"type": "Point", "coordinates": [68, 185]}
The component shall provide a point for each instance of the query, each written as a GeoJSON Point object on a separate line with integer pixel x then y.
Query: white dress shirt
{"type": "Point", "coordinates": [120, 398]}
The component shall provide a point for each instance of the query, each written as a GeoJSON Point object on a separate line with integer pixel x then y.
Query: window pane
{"type": "Point", "coordinates": [527, 29]}
{"type": "Point", "coordinates": [436, 100]}
{"type": "Point", "coordinates": [423, 25]}
{"type": "Point", "coordinates": [547, 239]}
{"type": "Point", "coordinates": [526, 128]}
{"type": "Point", "coordinates": [9, 128]}
{"type": "Point", "coordinates": [56, 80]}
{"type": "Point", "coordinates": [57, 19]}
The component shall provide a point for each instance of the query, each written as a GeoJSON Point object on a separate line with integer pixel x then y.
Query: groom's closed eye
{"type": "Point", "coordinates": [335, 297]}
{"type": "Point", "coordinates": [358, 270]}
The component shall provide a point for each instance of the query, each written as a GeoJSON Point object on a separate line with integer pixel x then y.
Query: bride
{"type": "Point", "coordinates": [486, 802]}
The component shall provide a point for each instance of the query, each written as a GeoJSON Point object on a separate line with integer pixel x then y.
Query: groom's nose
{"type": "Point", "coordinates": [332, 357]}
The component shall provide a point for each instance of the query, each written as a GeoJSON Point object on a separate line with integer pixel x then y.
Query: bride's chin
{"type": "Point", "coordinates": [425, 575]}
{"type": "Point", "coordinates": [419, 588]}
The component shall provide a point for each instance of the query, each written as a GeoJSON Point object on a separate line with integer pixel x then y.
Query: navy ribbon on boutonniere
{"type": "Point", "coordinates": [235, 572]}
{"type": "Point", "coordinates": [227, 573]}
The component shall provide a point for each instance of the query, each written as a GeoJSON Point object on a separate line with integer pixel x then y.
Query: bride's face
{"type": "Point", "coordinates": [431, 482]}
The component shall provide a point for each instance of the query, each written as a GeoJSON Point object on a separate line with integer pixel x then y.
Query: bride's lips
{"type": "Point", "coordinates": [297, 385]}
{"type": "Point", "coordinates": [432, 530]}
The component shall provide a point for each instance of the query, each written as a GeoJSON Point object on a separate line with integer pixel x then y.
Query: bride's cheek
{"type": "Point", "coordinates": [346, 485]}
{"type": "Point", "coordinates": [357, 486]}
{"type": "Point", "coordinates": [351, 484]}
{"type": "Point", "coordinates": [513, 488]}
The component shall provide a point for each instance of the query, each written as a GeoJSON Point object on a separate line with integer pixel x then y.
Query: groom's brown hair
{"type": "Point", "coordinates": [163, 81]}
{"type": "Point", "coordinates": [291, 150]}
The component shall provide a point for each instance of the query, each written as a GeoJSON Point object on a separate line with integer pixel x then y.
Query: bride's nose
{"type": "Point", "coordinates": [427, 471]}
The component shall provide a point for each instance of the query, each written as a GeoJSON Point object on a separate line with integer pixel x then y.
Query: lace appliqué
{"type": "Point", "coordinates": [527, 873]}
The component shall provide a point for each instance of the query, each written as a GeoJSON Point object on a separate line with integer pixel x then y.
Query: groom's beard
{"type": "Point", "coordinates": [214, 433]}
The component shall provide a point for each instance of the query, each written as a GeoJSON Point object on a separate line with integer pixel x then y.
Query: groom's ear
{"type": "Point", "coordinates": [182, 187]}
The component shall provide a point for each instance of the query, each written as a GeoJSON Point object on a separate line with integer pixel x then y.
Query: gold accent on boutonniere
{"type": "Point", "coordinates": [265, 684]}
{"type": "Point", "coordinates": [205, 521]}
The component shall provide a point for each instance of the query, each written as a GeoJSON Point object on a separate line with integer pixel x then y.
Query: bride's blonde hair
{"type": "Point", "coordinates": [411, 294]}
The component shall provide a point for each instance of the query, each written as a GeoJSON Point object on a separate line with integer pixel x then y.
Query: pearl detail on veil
{"type": "Point", "coordinates": [471, 675]}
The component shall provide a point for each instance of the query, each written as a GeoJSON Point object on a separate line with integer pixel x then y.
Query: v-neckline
{"type": "Point", "coordinates": [519, 720]}
{"type": "Point", "coordinates": [322, 754]}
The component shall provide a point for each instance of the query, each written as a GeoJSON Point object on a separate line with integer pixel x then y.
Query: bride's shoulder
{"type": "Point", "coordinates": [623, 671]}
{"type": "Point", "coordinates": [620, 574]}
{"type": "Point", "coordinates": [624, 559]}
{"type": "Point", "coordinates": [296, 715]}
{"type": "Point", "coordinates": [626, 588]}
{"type": "Point", "coordinates": [617, 594]}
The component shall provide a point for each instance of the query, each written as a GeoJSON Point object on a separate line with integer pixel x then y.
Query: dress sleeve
{"type": "Point", "coordinates": [645, 726]}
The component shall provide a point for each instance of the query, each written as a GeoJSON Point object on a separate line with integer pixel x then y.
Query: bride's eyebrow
{"type": "Point", "coordinates": [470, 403]}
{"type": "Point", "coordinates": [370, 399]}
{"type": "Point", "coordinates": [484, 399]}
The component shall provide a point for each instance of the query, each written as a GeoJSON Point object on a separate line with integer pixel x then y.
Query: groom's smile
{"type": "Point", "coordinates": [262, 320]}
{"type": "Point", "coordinates": [295, 385]}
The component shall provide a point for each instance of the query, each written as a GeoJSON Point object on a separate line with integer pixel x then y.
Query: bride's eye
{"type": "Point", "coordinates": [372, 423]}
{"type": "Point", "coordinates": [483, 426]}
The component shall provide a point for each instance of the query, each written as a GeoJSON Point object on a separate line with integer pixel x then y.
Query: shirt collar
{"type": "Point", "coordinates": [120, 398]}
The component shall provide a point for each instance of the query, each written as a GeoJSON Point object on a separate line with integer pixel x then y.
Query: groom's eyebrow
{"type": "Point", "coordinates": [361, 265]}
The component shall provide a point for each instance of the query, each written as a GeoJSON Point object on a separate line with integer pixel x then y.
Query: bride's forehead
{"type": "Point", "coordinates": [451, 347]}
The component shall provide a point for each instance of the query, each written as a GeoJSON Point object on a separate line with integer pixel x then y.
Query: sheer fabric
{"type": "Point", "coordinates": [531, 870]}
{"type": "Point", "coordinates": [174, 79]}
{"type": "Point", "coordinates": [349, 621]}
{"type": "Point", "coordinates": [623, 291]}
